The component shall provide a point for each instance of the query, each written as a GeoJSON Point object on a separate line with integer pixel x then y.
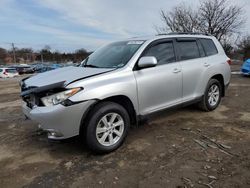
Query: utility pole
{"type": "Point", "coordinates": [42, 57]}
{"type": "Point", "coordinates": [14, 52]}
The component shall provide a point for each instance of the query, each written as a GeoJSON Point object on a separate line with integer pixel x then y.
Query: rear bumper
{"type": "Point", "coordinates": [59, 121]}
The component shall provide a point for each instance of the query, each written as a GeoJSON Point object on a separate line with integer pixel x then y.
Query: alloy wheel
{"type": "Point", "coordinates": [110, 129]}
{"type": "Point", "coordinates": [213, 95]}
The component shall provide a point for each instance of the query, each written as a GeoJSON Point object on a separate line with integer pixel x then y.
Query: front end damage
{"type": "Point", "coordinates": [61, 121]}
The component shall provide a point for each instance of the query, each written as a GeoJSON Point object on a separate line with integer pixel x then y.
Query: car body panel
{"type": "Point", "coordinates": [115, 83]}
{"type": "Point", "coordinates": [67, 74]}
{"type": "Point", "coordinates": [198, 72]}
{"type": "Point", "coordinates": [60, 119]}
{"type": "Point", "coordinates": [156, 89]}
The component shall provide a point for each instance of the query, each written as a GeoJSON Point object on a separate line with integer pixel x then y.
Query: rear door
{"type": "Point", "coordinates": [191, 56]}
{"type": "Point", "coordinates": [161, 86]}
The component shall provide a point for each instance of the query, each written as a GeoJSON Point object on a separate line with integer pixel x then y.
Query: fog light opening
{"type": "Point", "coordinates": [54, 134]}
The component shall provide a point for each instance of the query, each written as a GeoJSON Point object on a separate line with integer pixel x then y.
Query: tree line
{"type": "Point", "coordinates": [28, 55]}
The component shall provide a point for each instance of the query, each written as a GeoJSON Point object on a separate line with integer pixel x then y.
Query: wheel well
{"type": "Point", "coordinates": [220, 78]}
{"type": "Point", "coordinates": [120, 99]}
{"type": "Point", "coordinates": [126, 103]}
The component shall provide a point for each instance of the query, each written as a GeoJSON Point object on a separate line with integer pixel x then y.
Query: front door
{"type": "Point", "coordinates": [159, 87]}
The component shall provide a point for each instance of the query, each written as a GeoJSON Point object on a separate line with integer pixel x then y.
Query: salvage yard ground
{"type": "Point", "coordinates": [182, 148]}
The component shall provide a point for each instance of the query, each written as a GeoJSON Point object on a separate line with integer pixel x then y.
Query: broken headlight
{"type": "Point", "coordinates": [59, 97]}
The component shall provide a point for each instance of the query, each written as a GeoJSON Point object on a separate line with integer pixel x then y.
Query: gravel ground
{"type": "Point", "coordinates": [181, 148]}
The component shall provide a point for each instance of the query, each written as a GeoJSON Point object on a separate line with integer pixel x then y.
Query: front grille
{"type": "Point", "coordinates": [32, 100]}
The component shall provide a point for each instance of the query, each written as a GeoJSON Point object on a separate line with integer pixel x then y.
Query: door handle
{"type": "Point", "coordinates": [206, 64]}
{"type": "Point", "coordinates": [176, 70]}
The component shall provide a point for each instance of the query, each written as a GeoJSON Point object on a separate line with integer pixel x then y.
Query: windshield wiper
{"type": "Point", "coordinates": [92, 66]}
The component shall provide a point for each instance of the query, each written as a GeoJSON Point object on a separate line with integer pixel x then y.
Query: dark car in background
{"type": "Point", "coordinates": [39, 68]}
{"type": "Point", "coordinates": [23, 69]}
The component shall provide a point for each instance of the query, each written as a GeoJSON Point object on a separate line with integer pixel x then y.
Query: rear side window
{"type": "Point", "coordinates": [163, 52]}
{"type": "Point", "coordinates": [209, 47]}
{"type": "Point", "coordinates": [188, 50]}
{"type": "Point", "coordinates": [11, 71]}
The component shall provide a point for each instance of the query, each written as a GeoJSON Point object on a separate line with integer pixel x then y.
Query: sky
{"type": "Point", "coordinates": [67, 25]}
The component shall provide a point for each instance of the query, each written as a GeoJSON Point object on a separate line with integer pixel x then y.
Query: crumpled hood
{"type": "Point", "coordinates": [67, 74]}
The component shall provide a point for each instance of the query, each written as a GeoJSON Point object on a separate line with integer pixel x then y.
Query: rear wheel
{"type": "Point", "coordinates": [107, 127]}
{"type": "Point", "coordinates": [212, 96]}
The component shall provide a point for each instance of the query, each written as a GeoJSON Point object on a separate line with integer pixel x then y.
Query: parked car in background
{"type": "Point", "coordinates": [44, 69]}
{"type": "Point", "coordinates": [245, 69]}
{"type": "Point", "coordinates": [23, 69]}
{"type": "Point", "coordinates": [56, 66]}
{"type": "Point", "coordinates": [37, 67]}
{"type": "Point", "coordinates": [8, 73]}
{"type": "Point", "coordinates": [125, 81]}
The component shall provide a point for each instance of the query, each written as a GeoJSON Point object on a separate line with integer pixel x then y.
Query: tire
{"type": "Point", "coordinates": [207, 104]}
{"type": "Point", "coordinates": [100, 119]}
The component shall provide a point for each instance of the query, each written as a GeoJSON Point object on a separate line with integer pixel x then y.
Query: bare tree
{"type": "Point", "coordinates": [215, 17]}
{"type": "Point", "coordinates": [47, 48]}
{"type": "Point", "coordinates": [244, 47]}
{"type": "Point", "coordinates": [3, 54]}
{"type": "Point", "coordinates": [219, 18]}
{"type": "Point", "coordinates": [181, 19]}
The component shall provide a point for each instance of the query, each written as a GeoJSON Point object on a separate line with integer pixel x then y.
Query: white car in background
{"type": "Point", "coordinates": [8, 73]}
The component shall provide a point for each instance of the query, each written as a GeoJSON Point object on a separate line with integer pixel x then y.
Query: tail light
{"type": "Point", "coordinates": [229, 62]}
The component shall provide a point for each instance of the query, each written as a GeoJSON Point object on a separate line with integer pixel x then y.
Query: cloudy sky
{"type": "Point", "coordinates": [67, 25]}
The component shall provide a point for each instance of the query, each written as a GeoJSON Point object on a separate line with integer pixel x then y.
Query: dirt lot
{"type": "Point", "coordinates": [182, 148]}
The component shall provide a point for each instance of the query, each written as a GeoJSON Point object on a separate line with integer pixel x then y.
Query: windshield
{"type": "Point", "coordinates": [114, 55]}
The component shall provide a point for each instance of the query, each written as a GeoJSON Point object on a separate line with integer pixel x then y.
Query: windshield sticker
{"type": "Point", "coordinates": [120, 65]}
{"type": "Point", "coordinates": [136, 42]}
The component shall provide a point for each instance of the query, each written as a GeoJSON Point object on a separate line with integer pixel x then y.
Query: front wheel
{"type": "Point", "coordinates": [212, 96]}
{"type": "Point", "coordinates": [107, 127]}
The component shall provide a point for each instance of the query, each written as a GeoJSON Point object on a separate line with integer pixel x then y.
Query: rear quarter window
{"type": "Point", "coordinates": [1, 70]}
{"type": "Point", "coordinates": [209, 47]}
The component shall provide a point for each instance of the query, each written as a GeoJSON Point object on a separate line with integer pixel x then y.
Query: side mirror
{"type": "Point", "coordinates": [146, 62]}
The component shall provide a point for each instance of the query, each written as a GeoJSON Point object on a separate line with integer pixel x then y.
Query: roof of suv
{"type": "Point", "coordinates": [173, 35]}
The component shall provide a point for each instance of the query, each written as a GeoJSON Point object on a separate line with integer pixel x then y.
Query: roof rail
{"type": "Point", "coordinates": [185, 33]}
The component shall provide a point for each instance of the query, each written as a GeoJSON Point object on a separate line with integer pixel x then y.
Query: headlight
{"type": "Point", "coordinates": [59, 97]}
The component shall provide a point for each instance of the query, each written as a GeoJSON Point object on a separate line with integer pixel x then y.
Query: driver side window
{"type": "Point", "coordinates": [163, 52]}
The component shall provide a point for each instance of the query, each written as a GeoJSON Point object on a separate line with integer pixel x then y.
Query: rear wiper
{"type": "Point", "coordinates": [92, 66]}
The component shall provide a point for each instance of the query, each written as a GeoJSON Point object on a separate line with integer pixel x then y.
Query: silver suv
{"type": "Point", "coordinates": [124, 81]}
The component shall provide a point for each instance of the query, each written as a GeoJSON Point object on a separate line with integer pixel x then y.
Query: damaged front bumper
{"type": "Point", "coordinates": [59, 121]}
